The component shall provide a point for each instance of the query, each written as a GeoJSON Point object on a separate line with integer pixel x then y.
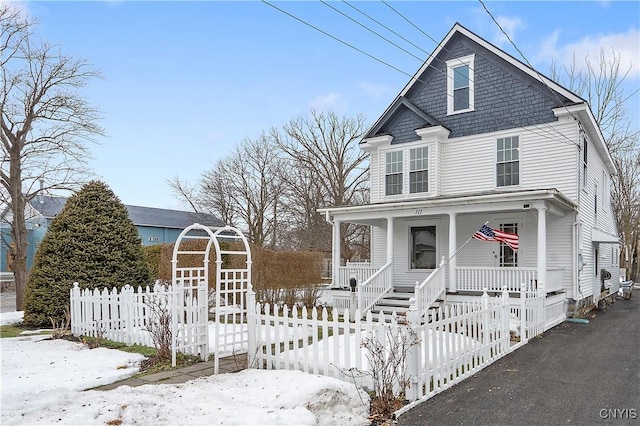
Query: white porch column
{"type": "Point", "coordinates": [453, 247]}
{"type": "Point", "coordinates": [389, 238]}
{"type": "Point", "coordinates": [335, 250]}
{"type": "Point", "coordinates": [542, 247]}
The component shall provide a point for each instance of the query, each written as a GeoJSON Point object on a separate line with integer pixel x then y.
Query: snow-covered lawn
{"type": "Point", "coordinates": [44, 381]}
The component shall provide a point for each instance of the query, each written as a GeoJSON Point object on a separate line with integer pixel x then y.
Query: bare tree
{"type": "Point", "coordinates": [185, 191]}
{"type": "Point", "coordinates": [324, 148]}
{"type": "Point", "coordinates": [273, 186]}
{"type": "Point", "coordinates": [45, 124]}
{"type": "Point", "coordinates": [308, 230]}
{"type": "Point", "coordinates": [244, 189]}
{"type": "Point", "coordinates": [626, 203]}
{"type": "Point", "coordinates": [600, 82]}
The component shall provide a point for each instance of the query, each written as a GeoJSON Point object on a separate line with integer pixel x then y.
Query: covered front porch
{"type": "Point", "coordinates": [425, 247]}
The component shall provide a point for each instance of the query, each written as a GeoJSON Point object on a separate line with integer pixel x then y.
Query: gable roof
{"type": "Point", "coordinates": [459, 30]}
{"type": "Point", "coordinates": [402, 103]}
{"type": "Point", "coordinates": [568, 101]}
{"type": "Point", "coordinates": [49, 206]}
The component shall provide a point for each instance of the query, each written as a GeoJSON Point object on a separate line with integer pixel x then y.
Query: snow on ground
{"type": "Point", "coordinates": [42, 382]}
{"type": "Point", "coordinates": [11, 317]}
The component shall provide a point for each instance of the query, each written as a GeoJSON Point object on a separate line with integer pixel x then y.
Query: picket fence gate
{"type": "Point", "coordinates": [455, 341]}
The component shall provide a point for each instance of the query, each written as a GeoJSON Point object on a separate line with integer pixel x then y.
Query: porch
{"type": "Point", "coordinates": [467, 278]}
{"type": "Point", "coordinates": [427, 247]}
{"type": "Point", "coordinates": [374, 288]}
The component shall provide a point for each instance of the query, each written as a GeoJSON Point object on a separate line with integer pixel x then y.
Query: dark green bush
{"type": "Point", "coordinates": [92, 241]}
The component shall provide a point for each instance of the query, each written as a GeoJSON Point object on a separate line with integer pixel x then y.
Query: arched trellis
{"type": "Point", "coordinates": [190, 306]}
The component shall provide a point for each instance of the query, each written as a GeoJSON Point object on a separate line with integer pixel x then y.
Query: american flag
{"type": "Point", "coordinates": [487, 234]}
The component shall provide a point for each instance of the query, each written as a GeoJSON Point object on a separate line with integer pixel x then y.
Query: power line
{"type": "Point", "coordinates": [413, 78]}
{"type": "Point", "coordinates": [486, 80]}
{"type": "Point", "coordinates": [370, 30]}
{"type": "Point", "coordinates": [364, 26]}
{"type": "Point", "coordinates": [350, 45]}
{"type": "Point", "coordinates": [526, 60]}
{"type": "Point", "coordinates": [336, 38]}
{"type": "Point", "coordinates": [386, 27]}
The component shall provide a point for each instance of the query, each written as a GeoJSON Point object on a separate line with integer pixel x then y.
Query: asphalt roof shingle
{"type": "Point", "coordinates": [49, 206]}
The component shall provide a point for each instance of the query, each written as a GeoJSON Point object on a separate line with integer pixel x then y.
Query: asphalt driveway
{"type": "Point", "coordinates": [581, 374]}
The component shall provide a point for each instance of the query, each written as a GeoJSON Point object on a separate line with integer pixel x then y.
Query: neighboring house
{"type": "Point", "coordinates": [477, 137]}
{"type": "Point", "coordinates": [155, 226]}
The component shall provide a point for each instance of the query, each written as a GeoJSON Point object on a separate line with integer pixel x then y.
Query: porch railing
{"type": "Point", "coordinates": [361, 271]}
{"type": "Point", "coordinates": [431, 288]}
{"type": "Point", "coordinates": [374, 288]}
{"type": "Point", "coordinates": [494, 279]}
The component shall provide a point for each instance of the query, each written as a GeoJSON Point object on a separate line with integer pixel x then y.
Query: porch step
{"type": "Point", "coordinates": [397, 302]}
{"type": "Point", "coordinates": [388, 310]}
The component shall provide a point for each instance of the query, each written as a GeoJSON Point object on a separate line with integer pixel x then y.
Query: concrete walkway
{"type": "Point", "coordinates": [180, 375]}
{"type": "Point", "coordinates": [582, 374]}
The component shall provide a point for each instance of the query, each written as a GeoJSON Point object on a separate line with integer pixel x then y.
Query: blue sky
{"type": "Point", "coordinates": [184, 82]}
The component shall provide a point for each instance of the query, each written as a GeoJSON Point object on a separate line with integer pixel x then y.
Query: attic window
{"type": "Point", "coordinates": [460, 85]}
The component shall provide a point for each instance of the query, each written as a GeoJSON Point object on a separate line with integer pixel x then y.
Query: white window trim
{"type": "Point", "coordinates": [495, 160]}
{"type": "Point", "coordinates": [451, 64]}
{"type": "Point", "coordinates": [426, 147]}
{"type": "Point", "coordinates": [385, 174]}
{"type": "Point", "coordinates": [406, 147]}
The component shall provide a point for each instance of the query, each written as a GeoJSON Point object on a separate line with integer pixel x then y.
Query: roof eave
{"type": "Point", "coordinates": [532, 195]}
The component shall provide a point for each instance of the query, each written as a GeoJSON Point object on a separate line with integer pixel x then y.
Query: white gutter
{"type": "Point", "coordinates": [458, 201]}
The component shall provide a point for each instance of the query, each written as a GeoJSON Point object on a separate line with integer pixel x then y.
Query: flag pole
{"type": "Point", "coordinates": [462, 246]}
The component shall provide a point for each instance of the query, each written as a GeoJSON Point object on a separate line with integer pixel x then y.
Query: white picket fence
{"type": "Point", "coordinates": [456, 341]}
{"type": "Point", "coordinates": [122, 316]}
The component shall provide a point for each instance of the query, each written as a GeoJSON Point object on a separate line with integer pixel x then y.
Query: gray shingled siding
{"type": "Point", "coordinates": [505, 97]}
{"type": "Point", "coordinates": [403, 127]}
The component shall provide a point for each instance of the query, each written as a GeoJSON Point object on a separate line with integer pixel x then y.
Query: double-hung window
{"type": "Point", "coordinates": [393, 173]}
{"type": "Point", "coordinates": [460, 85]}
{"type": "Point", "coordinates": [419, 170]}
{"type": "Point", "coordinates": [508, 161]}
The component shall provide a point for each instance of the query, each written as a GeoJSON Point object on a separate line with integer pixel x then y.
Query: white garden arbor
{"type": "Point", "coordinates": [190, 306]}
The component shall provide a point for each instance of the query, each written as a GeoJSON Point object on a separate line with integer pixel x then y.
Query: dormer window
{"type": "Point", "coordinates": [460, 86]}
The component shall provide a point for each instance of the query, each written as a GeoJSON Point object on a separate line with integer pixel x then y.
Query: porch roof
{"type": "Point", "coordinates": [460, 203]}
{"type": "Point", "coordinates": [600, 236]}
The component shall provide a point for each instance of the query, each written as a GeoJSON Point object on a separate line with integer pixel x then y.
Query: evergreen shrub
{"type": "Point", "coordinates": [91, 241]}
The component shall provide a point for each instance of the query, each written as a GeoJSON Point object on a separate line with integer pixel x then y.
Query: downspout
{"type": "Point", "coordinates": [577, 268]}
{"type": "Point", "coordinates": [576, 224]}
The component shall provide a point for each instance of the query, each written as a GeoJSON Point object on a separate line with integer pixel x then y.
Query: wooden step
{"type": "Point", "coordinates": [394, 302]}
{"type": "Point", "coordinates": [388, 310]}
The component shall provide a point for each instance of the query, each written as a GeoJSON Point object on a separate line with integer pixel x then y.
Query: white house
{"type": "Point", "coordinates": [477, 137]}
